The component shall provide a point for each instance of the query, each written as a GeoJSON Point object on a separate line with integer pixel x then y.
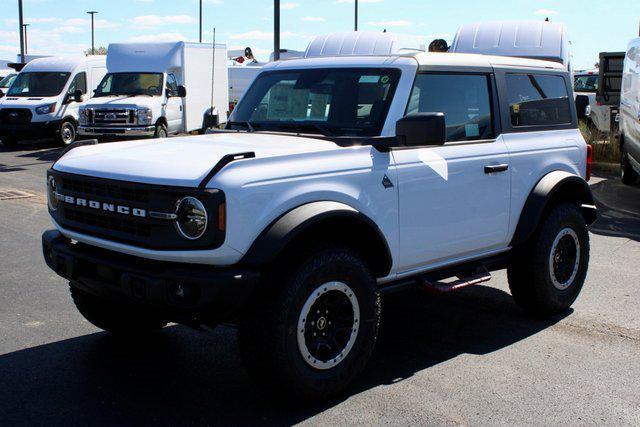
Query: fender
{"type": "Point", "coordinates": [272, 241]}
{"type": "Point", "coordinates": [553, 186]}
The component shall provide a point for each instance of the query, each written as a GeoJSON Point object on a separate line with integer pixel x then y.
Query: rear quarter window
{"type": "Point", "coordinates": [538, 100]}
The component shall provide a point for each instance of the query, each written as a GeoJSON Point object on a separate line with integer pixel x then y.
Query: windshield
{"type": "Point", "coordinates": [586, 83]}
{"type": "Point", "coordinates": [130, 84]}
{"type": "Point", "coordinates": [6, 82]}
{"type": "Point", "coordinates": [38, 84]}
{"type": "Point", "coordinates": [331, 101]}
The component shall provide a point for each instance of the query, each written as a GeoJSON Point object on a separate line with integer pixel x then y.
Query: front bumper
{"type": "Point", "coordinates": [30, 130]}
{"type": "Point", "coordinates": [117, 130]}
{"type": "Point", "coordinates": [176, 288]}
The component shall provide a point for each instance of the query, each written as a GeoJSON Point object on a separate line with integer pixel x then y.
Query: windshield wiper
{"type": "Point", "coordinates": [246, 124]}
{"type": "Point", "coordinates": [323, 130]}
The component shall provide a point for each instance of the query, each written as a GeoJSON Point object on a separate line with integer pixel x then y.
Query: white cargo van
{"type": "Point", "coordinates": [630, 115]}
{"type": "Point", "coordinates": [157, 89]}
{"type": "Point", "coordinates": [43, 99]}
{"type": "Point", "coordinates": [524, 39]}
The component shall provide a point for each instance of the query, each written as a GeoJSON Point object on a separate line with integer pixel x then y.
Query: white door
{"type": "Point", "coordinates": [454, 199]}
{"type": "Point", "coordinates": [173, 107]}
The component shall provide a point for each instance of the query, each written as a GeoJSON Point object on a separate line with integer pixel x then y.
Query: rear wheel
{"type": "Point", "coordinates": [116, 318]}
{"type": "Point", "coordinates": [628, 175]}
{"type": "Point", "coordinates": [548, 273]}
{"type": "Point", "coordinates": [68, 133]}
{"type": "Point", "coordinates": [316, 332]}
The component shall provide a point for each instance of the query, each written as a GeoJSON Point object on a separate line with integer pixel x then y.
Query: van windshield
{"type": "Point", "coordinates": [38, 84]}
{"type": "Point", "coordinates": [130, 84]}
{"type": "Point", "coordinates": [330, 101]}
{"type": "Point", "coordinates": [6, 82]}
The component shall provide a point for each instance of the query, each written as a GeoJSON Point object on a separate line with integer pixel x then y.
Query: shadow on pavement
{"type": "Point", "coordinates": [180, 376]}
{"type": "Point", "coordinates": [618, 209]}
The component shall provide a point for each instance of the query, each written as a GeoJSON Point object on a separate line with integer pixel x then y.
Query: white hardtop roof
{"type": "Point", "coordinates": [423, 59]}
{"type": "Point", "coordinates": [61, 63]}
{"type": "Point", "coordinates": [536, 39]}
{"type": "Point", "coordinates": [361, 43]}
{"type": "Point", "coordinates": [153, 57]}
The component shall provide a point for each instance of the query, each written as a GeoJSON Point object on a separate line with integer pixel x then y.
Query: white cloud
{"type": "Point", "coordinates": [289, 6]}
{"type": "Point", "coordinates": [313, 19]}
{"type": "Point", "coordinates": [399, 23]}
{"type": "Point", "coordinates": [157, 20]}
{"type": "Point", "coordinates": [14, 21]}
{"type": "Point", "coordinates": [545, 12]}
{"type": "Point", "coordinates": [163, 37]}
{"type": "Point", "coordinates": [85, 23]}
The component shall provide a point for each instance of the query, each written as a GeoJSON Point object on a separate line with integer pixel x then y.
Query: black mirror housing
{"type": "Point", "coordinates": [1, 93]}
{"type": "Point", "coordinates": [182, 91]}
{"type": "Point", "coordinates": [421, 129]}
{"type": "Point", "coordinates": [77, 95]}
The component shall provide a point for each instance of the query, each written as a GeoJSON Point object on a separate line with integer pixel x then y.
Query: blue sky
{"type": "Point", "coordinates": [62, 26]}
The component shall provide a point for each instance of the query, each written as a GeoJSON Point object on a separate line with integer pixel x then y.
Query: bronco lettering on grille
{"type": "Point", "coordinates": [104, 206]}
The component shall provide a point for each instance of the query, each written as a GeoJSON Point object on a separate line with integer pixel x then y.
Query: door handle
{"type": "Point", "coordinates": [496, 168]}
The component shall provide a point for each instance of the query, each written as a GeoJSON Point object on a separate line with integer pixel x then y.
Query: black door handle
{"type": "Point", "coordinates": [496, 168]}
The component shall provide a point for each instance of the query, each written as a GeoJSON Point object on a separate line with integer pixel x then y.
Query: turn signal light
{"type": "Point", "coordinates": [589, 161]}
{"type": "Point", "coordinates": [222, 216]}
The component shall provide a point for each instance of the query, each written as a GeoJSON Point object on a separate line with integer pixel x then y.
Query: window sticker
{"type": "Point", "coordinates": [370, 79]}
{"type": "Point", "coordinates": [472, 130]}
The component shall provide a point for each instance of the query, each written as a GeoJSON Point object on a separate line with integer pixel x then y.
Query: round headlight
{"type": "Point", "coordinates": [191, 221]}
{"type": "Point", "coordinates": [51, 193]}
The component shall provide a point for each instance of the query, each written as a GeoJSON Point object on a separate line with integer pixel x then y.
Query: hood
{"type": "Point", "coordinates": [122, 101]}
{"type": "Point", "coordinates": [26, 102]}
{"type": "Point", "coordinates": [183, 161]}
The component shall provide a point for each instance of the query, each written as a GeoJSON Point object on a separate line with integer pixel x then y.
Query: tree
{"type": "Point", "coordinates": [100, 50]}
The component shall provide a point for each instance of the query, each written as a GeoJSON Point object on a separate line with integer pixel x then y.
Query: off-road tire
{"type": "Point", "coordinates": [68, 133]}
{"type": "Point", "coordinates": [530, 272]}
{"type": "Point", "coordinates": [268, 339]}
{"type": "Point", "coordinates": [161, 131]}
{"type": "Point", "coordinates": [119, 319]}
{"type": "Point", "coordinates": [628, 175]}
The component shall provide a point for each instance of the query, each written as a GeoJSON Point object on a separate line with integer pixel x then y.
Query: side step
{"type": "Point", "coordinates": [480, 275]}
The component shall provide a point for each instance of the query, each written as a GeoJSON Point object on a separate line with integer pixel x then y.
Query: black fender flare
{"type": "Point", "coordinates": [275, 238]}
{"type": "Point", "coordinates": [556, 185]}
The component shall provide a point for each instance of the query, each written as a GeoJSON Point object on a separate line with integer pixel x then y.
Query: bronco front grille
{"type": "Point", "coordinates": [140, 229]}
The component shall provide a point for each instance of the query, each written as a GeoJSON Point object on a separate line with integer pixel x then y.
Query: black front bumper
{"type": "Point", "coordinates": [176, 288]}
{"type": "Point", "coordinates": [30, 130]}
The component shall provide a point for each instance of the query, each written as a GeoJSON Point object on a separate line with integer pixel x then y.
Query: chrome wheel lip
{"type": "Point", "coordinates": [301, 326]}
{"type": "Point", "coordinates": [556, 283]}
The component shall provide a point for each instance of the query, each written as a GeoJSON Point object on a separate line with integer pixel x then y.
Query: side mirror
{"type": "Point", "coordinates": [182, 91]}
{"type": "Point", "coordinates": [421, 129]}
{"type": "Point", "coordinates": [1, 93]}
{"type": "Point", "coordinates": [77, 95]}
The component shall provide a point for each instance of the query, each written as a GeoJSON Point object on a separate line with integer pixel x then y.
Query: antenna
{"type": "Point", "coordinates": [213, 74]}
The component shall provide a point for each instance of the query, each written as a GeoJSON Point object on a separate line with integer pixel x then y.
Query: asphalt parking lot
{"type": "Point", "coordinates": [468, 358]}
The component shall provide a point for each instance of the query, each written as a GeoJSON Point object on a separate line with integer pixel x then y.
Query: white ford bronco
{"type": "Point", "coordinates": [358, 170]}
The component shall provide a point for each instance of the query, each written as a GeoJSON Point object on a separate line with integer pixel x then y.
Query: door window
{"type": "Point", "coordinates": [464, 99]}
{"type": "Point", "coordinates": [172, 85]}
{"type": "Point", "coordinates": [538, 100]}
{"type": "Point", "coordinates": [79, 82]}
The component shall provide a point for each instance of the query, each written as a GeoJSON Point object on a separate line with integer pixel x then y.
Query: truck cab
{"type": "Point", "coordinates": [158, 89]}
{"type": "Point", "coordinates": [44, 99]}
{"type": "Point", "coordinates": [364, 168]}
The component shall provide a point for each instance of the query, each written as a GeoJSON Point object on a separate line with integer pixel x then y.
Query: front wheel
{"type": "Point", "coordinates": [68, 133]}
{"type": "Point", "coordinates": [161, 131]}
{"type": "Point", "coordinates": [547, 274]}
{"type": "Point", "coordinates": [316, 332]}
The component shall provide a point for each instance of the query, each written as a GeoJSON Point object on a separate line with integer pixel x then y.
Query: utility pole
{"type": "Point", "coordinates": [276, 30]}
{"type": "Point", "coordinates": [200, 38]}
{"type": "Point", "coordinates": [356, 17]}
{"type": "Point", "coordinates": [26, 39]}
{"type": "Point", "coordinates": [93, 48]}
{"type": "Point", "coordinates": [20, 23]}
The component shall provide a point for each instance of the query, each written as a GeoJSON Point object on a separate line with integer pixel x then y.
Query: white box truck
{"type": "Point", "coordinates": [158, 89]}
{"type": "Point", "coordinates": [43, 100]}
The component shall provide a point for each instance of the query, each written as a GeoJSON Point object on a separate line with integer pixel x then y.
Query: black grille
{"type": "Point", "coordinates": [15, 116]}
{"type": "Point", "coordinates": [91, 217]}
{"type": "Point", "coordinates": [102, 189]}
